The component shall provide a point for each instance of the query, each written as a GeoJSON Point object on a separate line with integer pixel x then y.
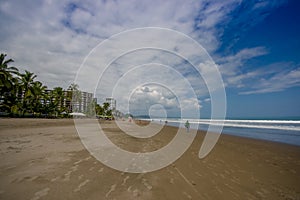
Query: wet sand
{"type": "Point", "coordinates": [45, 159]}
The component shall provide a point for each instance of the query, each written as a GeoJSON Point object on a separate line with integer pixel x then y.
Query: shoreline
{"type": "Point", "coordinates": [46, 160]}
{"type": "Point", "coordinates": [279, 134]}
{"type": "Point", "coordinates": [36, 122]}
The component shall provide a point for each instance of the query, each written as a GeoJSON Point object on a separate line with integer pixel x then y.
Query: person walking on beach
{"type": "Point", "coordinates": [187, 126]}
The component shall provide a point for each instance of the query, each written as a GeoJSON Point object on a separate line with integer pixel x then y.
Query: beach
{"type": "Point", "coordinates": [45, 159]}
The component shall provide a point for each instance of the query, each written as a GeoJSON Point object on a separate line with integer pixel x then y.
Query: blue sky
{"type": "Point", "coordinates": [279, 34]}
{"type": "Point", "coordinates": [255, 46]}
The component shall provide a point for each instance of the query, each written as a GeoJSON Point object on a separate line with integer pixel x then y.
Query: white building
{"type": "Point", "coordinates": [112, 103]}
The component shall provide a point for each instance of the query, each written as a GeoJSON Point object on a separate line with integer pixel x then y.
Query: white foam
{"type": "Point", "coordinates": [292, 125]}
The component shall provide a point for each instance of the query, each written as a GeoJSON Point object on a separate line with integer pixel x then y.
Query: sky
{"type": "Point", "coordinates": [201, 56]}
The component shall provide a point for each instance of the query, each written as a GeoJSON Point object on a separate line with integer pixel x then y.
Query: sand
{"type": "Point", "coordinates": [45, 159]}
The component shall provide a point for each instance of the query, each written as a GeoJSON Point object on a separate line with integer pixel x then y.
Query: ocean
{"type": "Point", "coordinates": [284, 131]}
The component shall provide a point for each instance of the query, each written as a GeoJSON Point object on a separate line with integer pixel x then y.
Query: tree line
{"type": "Point", "coordinates": [22, 95]}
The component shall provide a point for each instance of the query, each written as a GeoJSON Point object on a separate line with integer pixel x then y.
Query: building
{"type": "Point", "coordinates": [77, 102]}
{"type": "Point", "coordinates": [112, 103]}
{"type": "Point", "coordinates": [86, 100]}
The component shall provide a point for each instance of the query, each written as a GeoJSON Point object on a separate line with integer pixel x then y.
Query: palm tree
{"type": "Point", "coordinates": [8, 85]}
{"type": "Point", "coordinates": [73, 87]}
{"type": "Point", "coordinates": [9, 102]}
{"type": "Point", "coordinates": [49, 107]}
{"type": "Point", "coordinates": [6, 74]}
{"type": "Point", "coordinates": [99, 109]}
{"type": "Point", "coordinates": [27, 82]}
{"type": "Point", "coordinates": [105, 106]}
{"type": "Point", "coordinates": [58, 99]}
{"type": "Point", "coordinates": [38, 96]}
{"type": "Point", "coordinates": [106, 110]}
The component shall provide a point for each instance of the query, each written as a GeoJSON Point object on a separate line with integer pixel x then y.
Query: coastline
{"type": "Point", "coordinates": [44, 159]}
{"type": "Point", "coordinates": [282, 131]}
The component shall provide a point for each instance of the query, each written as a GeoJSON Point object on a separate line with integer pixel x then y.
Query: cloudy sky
{"type": "Point", "coordinates": [254, 45]}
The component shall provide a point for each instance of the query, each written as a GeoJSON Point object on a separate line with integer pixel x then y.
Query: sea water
{"type": "Point", "coordinates": [284, 131]}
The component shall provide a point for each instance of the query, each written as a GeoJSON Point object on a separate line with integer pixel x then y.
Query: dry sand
{"type": "Point", "coordinates": [44, 159]}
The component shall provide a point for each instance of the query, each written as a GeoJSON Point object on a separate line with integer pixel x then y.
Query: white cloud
{"type": "Point", "coordinates": [80, 19]}
{"type": "Point", "coordinates": [147, 85]}
{"type": "Point", "coordinates": [60, 34]}
{"type": "Point", "coordinates": [233, 67]}
{"type": "Point", "coordinates": [207, 100]}
{"type": "Point", "coordinates": [152, 96]}
{"type": "Point", "coordinates": [262, 79]}
{"type": "Point", "coordinates": [275, 82]}
{"type": "Point", "coordinates": [230, 65]}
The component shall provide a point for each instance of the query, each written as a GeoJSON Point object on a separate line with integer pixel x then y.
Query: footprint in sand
{"type": "Point", "coordinates": [80, 177]}
{"type": "Point", "coordinates": [80, 161]}
{"type": "Point", "coordinates": [17, 180]}
{"type": "Point", "coordinates": [136, 193]}
{"type": "Point", "coordinates": [77, 162]}
{"type": "Point", "coordinates": [87, 158]}
{"type": "Point", "coordinates": [26, 178]}
{"type": "Point", "coordinates": [81, 185]}
{"type": "Point", "coordinates": [215, 174]}
{"type": "Point", "coordinates": [112, 188]}
{"type": "Point", "coordinates": [187, 195]}
{"type": "Point", "coordinates": [33, 178]}
{"type": "Point", "coordinates": [219, 190]}
{"type": "Point", "coordinates": [172, 180]}
{"type": "Point", "coordinates": [91, 169]}
{"type": "Point", "coordinates": [68, 174]}
{"type": "Point", "coordinates": [235, 180]}
{"type": "Point", "coordinates": [222, 175]}
{"type": "Point", "coordinates": [40, 194]}
{"type": "Point", "coordinates": [66, 160]}
{"type": "Point", "coordinates": [125, 179]}
{"type": "Point", "coordinates": [54, 179]}
{"type": "Point", "coordinates": [198, 174]}
{"type": "Point", "coordinates": [100, 170]}
{"type": "Point", "coordinates": [11, 167]}
{"type": "Point", "coordinates": [147, 185]}
{"type": "Point", "coordinates": [74, 168]}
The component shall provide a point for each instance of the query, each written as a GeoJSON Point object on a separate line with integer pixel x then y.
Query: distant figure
{"type": "Point", "coordinates": [166, 122]}
{"type": "Point", "coordinates": [187, 126]}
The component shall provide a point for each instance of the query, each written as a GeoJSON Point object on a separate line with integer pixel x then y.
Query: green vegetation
{"type": "Point", "coordinates": [22, 96]}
